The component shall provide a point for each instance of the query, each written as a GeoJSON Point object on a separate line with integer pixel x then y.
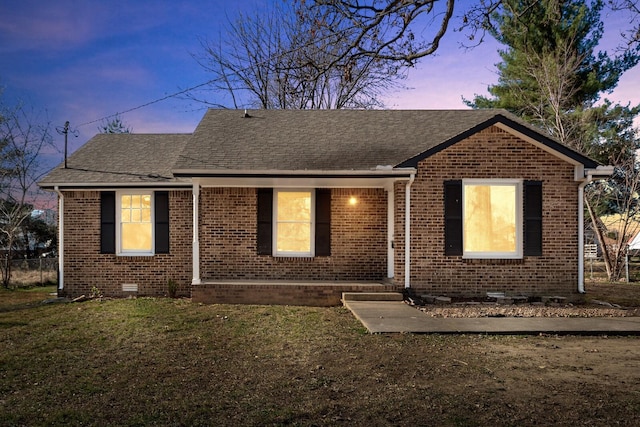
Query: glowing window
{"type": "Point", "coordinates": [135, 223]}
{"type": "Point", "coordinates": [492, 219]}
{"type": "Point", "coordinates": [293, 225]}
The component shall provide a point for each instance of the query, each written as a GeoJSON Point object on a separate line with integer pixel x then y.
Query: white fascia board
{"type": "Point", "coordinates": [88, 185]}
{"type": "Point", "coordinates": [380, 170]}
{"type": "Point", "coordinates": [299, 182]}
{"type": "Point", "coordinates": [378, 178]}
{"type": "Point", "coordinates": [600, 172]}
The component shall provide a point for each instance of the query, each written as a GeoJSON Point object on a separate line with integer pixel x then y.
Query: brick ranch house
{"type": "Point", "coordinates": [294, 207]}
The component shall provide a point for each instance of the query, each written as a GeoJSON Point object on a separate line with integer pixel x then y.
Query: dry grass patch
{"type": "Point", "coordinates": [624, 294]}
{"type": "Point", "coordinates": [25, 278]}
{"type": "Point", "coordinates": [170, 362]}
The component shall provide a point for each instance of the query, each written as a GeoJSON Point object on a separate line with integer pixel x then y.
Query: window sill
{"type": "Point", "coordinates": [134, 255]}
{"type": "Point", "coordinates": [493, 261]}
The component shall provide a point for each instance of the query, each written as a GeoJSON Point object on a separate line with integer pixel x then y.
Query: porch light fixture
{"type": "Point", "coordinates": [353, 201]}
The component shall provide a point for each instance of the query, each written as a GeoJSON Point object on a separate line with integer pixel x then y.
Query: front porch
{"type": "Point", "coordinates": [282, 292]}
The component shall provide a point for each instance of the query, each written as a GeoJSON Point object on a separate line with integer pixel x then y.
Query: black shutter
{"type": "Point", "coordinates": [108, 222]}
{"type": "Point", "coordinates": [161, 200]}
{"type": "Point", "coordinates": [533, 218]}
{"type": "Point", "coordinates": [265, 221]}
{"type": "Point", "coordinates": [323, 222]}
{"type": "Point", "coordinates": [453, 217]}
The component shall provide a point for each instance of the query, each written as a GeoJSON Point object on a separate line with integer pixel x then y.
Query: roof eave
{"type": "Point", "coordinates": [103, 185]}
{"type": "Point", "coordinates": [511, 126]}
{"type": "Point", "coordinates": [381, 171]}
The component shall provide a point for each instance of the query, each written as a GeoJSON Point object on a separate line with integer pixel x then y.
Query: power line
{"type": "Point", "coordinates": [290, 51]}
{"type": "Point", "coordinates": [148, 103]}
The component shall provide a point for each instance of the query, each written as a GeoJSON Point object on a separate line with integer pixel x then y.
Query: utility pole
{"type": "Point", "coordinates": [66, 134]}
{"type": "Point", "coordinates": [65, 131]}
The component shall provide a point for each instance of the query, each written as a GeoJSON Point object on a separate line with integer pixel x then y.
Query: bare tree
{"type": "Point", "coordinates": [391, 30]}
{"type": "Point", "coordinates": [479, 20]}
{"type": "Point", "coordinates": [614, 204]}
{"type": "Point", "coordinates": [631, 35]}
{"type": "Point", "coordinates": [22, 139]}
{"type": "Point", "coordinates": [322, 54]}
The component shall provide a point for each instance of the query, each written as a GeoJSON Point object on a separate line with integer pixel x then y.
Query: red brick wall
{"type": "Point", "coordinates": [228, 220]}
{"type": "Point", "coordinates": [85, 267]}
{"type": "Point", "coordinates": [492, 153]}
{"type": "Point", "coordinates": [228, 233]}
{"type": "Point", "coordinates": [322, 294]}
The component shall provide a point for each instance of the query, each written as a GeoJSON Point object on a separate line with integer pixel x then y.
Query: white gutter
{"type": "Point", "coordinates": [378, 171]}
{"type": "Point", "coordinates": [195, 248]}
{"type": "Point", "coordinates": [581, 232]}
{"type": "Point", "coordinates": [391, 258]}
{"type": "Point", "coordinates": [76, 186]}
{"type": "Point", "coordinates": [590, 174]}
{"type": "Point", "coordinates": [60, 239]}
{"type": "Point", "coordinates": [407, 232]}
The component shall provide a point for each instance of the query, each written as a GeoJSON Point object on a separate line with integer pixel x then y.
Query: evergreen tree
{"type": "Point", "coordinates": [115, 125]}
{"type": "Point", "coordinates": [552, 76]}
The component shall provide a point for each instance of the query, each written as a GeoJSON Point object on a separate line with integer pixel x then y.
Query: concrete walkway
{"type": "Point", "coordinates": [397, 316]}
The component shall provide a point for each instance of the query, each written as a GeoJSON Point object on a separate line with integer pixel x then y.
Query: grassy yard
{"type": "Point", "coordinates": [171, 362]}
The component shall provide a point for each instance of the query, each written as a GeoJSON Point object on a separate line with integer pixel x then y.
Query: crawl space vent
{"type": "Point", "coordinates": [129, 287]}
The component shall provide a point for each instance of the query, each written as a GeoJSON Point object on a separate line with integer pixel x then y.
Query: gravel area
{"type": "Point", "coordinates": [526, 310]}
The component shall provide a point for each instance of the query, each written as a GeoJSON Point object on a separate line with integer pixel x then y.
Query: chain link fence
{"type": "Point", "coordinates": [33, 272]}
{"type": "Point", "coordinates": [595, 269]}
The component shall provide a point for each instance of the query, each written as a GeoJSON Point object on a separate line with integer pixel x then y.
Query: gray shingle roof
{"type": "Point", "coordinates": [282, 140]}
{"type": "Point", "coordinates": [121, 159]}
{"type": "Point", "coordinates": [320, 139]}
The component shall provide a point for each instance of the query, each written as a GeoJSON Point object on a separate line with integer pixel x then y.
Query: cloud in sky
{"type": "Point", "coordinates": [84, 60]}
{"type": "Point", "coordinates": [34, 26]}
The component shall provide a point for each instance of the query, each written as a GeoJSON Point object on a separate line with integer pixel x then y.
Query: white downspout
{"type": "Point", "coordinates": [591, 174]}
{"type": "Point", "coordinates": [60, 239]}
{"type": "Point", "coordinates": [583, 184]}
{"type": "Point", "coordinates": [407, 232]}
{"type": "Point", "coordinates": [196, 239]}
{"type": "Point", "coordinates": [390, 232]}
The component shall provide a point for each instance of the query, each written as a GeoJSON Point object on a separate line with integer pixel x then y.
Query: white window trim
{"type": "Point", "coordinates": [518, 254]}
{"type": "Point", "coordinates": [274, 242]}
{"type": "Point", "coordinates": [119, 250]}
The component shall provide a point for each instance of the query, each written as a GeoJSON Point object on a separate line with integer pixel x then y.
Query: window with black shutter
{"type": "Point", "coordinates": [161, 201]}
{"type": "Point", "coordinates": [134, 222]}
{"type": "Point", "coordinates": [265, 221]}
{"type": "Point", "coordinates": [323, 222]}
{"type": "Point", "coordinates": [493, 218]}
{"type": "Point", "coordinates": [453, 218]}
{"type": "Point", "coordinates": [533, 218]}
{"type": "Point", "coordinates": [294, 222]}
{"type": "Point", "coordinates": [108, 222]}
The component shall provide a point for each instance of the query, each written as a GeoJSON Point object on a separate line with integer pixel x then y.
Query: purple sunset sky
{"type": "Point", "coordinates": [84, 60]}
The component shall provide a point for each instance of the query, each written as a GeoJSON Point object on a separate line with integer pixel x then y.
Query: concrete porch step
{"type": "Point", "coordinates": [371, 296]}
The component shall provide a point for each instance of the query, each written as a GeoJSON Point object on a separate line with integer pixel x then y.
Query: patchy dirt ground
{"type": "Point", "coordinates": [171, 362]}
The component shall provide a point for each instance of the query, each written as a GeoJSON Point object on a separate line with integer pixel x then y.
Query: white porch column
{"type": "Point", "coordinates": [196, 238]}
{"type": "Point", "coordinates": [390, 232]}
{"type": "Point", "coordinates": [407, 233]}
